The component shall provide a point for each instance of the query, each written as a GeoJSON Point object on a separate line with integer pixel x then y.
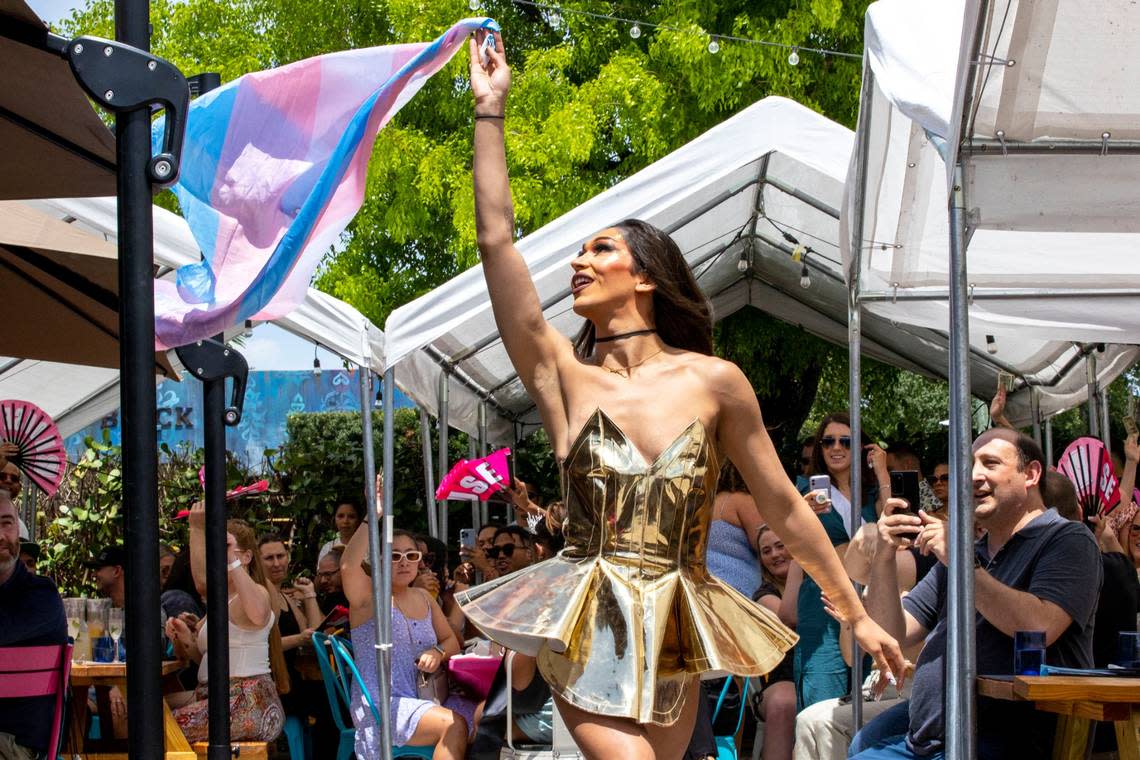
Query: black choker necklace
{"type": "Point", "coordinates": [619, 336]}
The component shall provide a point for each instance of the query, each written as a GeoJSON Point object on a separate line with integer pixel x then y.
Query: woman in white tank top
{"type": "Point", "coordinates": [257, 672]}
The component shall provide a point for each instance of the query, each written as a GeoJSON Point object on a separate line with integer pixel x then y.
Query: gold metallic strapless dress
{"type": "Point", "coordinates": [626, 617]}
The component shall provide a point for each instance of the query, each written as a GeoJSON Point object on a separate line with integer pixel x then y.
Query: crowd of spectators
{"type": "Point", "coordinates": [1040, 566]}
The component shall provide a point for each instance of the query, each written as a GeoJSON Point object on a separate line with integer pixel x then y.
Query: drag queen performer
{"type": "Point", "coordinates": [640, 414]}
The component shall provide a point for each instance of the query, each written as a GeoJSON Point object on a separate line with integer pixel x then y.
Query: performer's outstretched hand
{"type": "Point", "coordinates": [884, 650]}
{"type": "Point", "coordinates": [491, 80]}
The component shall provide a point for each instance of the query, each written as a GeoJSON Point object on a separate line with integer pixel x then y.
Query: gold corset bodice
{"type": "Point", "coordinates": [647, 517]}
{"type": "Point", "coordinates": [627, 617]}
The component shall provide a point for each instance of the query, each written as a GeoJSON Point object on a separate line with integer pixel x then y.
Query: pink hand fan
{"type": "Point", "coordinates": [252, 489]}
{"type": "Point", "coordinates": [476, 479]}
{"type": "Point", "coordinates": [1087, 463]}
{"type": "Point", "coordinates": [41, 455]}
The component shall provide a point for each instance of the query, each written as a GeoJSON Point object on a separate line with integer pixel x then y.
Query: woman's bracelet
{"type": "Point", "coordinates": [495, 117]}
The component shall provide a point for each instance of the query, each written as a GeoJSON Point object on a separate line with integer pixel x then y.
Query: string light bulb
{"type": "Point", "coordinates": [316, 361]}
{"type": "Point", "coordinates": [742, 265]}
{"type": "Point", "coordinates": [474, 4]}
{"type": "Point", "coordinates": [794, 57]}
{"type": "Point", "coordinates": [714, 46]}
{"type": "Point", "coordinates": [991, 344]}
{"type": "Point", "coordinates": [805, 277]}
{"type": "Point", "coordinates": [248, 331]}
{"type": "Point", "coordinates": [635, 31]}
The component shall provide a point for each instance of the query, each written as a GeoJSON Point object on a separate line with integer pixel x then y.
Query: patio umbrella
{"type": "Point", "coordinates": [59, 300]}
{"type": "Point", "coordinates": [55, 145]}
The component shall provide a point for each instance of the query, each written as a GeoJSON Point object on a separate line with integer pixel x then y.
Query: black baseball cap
{"type": "Point", "coordinates": [109, 557]}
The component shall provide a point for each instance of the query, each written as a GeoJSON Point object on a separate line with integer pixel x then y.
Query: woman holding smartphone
{"type": "Point", "coordinates": [639, 414]}
{"type": "Point", "coordinates": [820, 671]}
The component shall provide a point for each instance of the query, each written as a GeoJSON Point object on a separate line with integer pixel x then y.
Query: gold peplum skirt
{"type": "Point", "coordinates": [626, 617]}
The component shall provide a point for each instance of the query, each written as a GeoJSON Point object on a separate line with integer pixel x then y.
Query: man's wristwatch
{"type": "Point", "coordinates": [441, 650]}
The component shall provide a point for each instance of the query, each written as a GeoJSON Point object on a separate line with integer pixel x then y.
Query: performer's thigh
{"type": "Point", "coordinates": [670, 742]}
{"type": "Point", "coordinates": [601, 737]}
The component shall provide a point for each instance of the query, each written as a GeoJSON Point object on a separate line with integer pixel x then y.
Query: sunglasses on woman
{"type": "Point", "coordinates": [829, 441]}
{"type": "Point", "coordinates": [507, 550]}
{"type": "Point", "coordinates": [409, 556]}
{"type": "Point", "coordinates": [943, 478]}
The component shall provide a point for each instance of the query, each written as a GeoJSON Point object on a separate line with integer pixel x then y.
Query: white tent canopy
{"type": "Point", "coordinates": [1053, 217]}
{"type": "Point", "coordinates": [77, 395]}
{"type": "Point", "coordinates": [775, 167]}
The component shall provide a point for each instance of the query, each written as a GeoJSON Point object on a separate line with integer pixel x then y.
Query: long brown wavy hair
{"type": "Point", "coordinates": [247, 541]}
{"type": "Point", "coordinates": [682, 314]}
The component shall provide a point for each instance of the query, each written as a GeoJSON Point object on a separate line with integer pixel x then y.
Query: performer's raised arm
{"type": "Point", "coordinates": [746, 442]}
{"type": "Point", "coordinates": [532, 344]}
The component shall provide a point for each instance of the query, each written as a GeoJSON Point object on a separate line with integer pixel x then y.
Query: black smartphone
{"type": "Point", "coordinates": [904, 485]}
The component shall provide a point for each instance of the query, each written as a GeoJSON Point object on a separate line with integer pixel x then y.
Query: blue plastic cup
{"type": "Point", "coordinates": [1028, 652]}
{"type": "Point", "coordinates": [1128, 649]}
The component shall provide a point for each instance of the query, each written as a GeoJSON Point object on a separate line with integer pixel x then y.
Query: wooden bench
{"type": "Point", "coordinates": [245, 750]}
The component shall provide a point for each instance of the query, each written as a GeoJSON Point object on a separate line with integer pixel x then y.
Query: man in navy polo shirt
{"type": "Point", "coordinates": [31, 614]}
{"type": "Point", "coordinates": [1034, 571]}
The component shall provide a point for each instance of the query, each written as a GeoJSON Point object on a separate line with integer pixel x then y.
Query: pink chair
{"type": "Point", "coordinates": [37, 672]}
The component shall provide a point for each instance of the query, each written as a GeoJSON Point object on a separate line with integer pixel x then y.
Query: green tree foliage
{"type": "Point", "coordinates": [85, 514]}
{"type": "Point", "coordinates": [590, 104]}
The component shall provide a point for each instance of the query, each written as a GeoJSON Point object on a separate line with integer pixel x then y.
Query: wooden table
{"type": "Point", "coordinates": [86, 674]}
{"type": "Point", "coordinates": [1077, 701]}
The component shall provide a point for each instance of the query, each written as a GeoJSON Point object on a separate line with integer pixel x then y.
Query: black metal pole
{"type": "Point", "coordinates": [217, 574]}
{"type": "Point", "coordinates": [137, 398]}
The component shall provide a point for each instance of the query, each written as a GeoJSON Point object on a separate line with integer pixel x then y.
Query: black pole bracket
{"type": "Point", "coordinates": [210, 360]}
{"type": "Point", "coordinates": [122, 78]}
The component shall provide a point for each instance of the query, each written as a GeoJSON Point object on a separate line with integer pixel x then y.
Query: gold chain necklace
{"type": "Point", "coordinates": [625, 371]}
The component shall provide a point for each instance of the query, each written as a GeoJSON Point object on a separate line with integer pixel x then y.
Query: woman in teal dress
{"type": "Point", "coordinates": [820, 672]}
{"type": "Point", "coordinates": [640, 415]}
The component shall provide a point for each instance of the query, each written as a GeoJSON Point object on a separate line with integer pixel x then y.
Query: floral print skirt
{"type": "Point", "coordinates": [256, 714]}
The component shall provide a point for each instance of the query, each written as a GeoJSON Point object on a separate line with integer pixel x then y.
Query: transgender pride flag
{"type": "Point", "coordinates": [274, 166]}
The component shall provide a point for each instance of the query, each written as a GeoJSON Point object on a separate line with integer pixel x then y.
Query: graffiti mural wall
{"type": "Point", "coordinates": [269, 398]}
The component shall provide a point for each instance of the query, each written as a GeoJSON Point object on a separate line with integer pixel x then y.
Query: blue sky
{"type": "Point", "coordinates": [52, 11]}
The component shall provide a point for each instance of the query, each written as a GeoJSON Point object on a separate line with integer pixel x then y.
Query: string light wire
{"type": "Point", "coordinates": [669, 28]}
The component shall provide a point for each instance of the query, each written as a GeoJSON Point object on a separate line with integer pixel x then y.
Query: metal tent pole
{"type": "Point", "coordinates": [472, 453]}
{"type": "Point", "coordinates": [1090, 367]}
{"type": "Point", "coordinates": [960, 645]}
{"type": "Point", "coordinates": [441, 464]}
{"type": "Point", "coordinates": [855, 338]}
{"type": "Point", "coordinates": [1049, 441]}
{"type": "Point", "coordinates": [855, 359]}
{"type": "Point", "coordinates": [1035, 412]}
{"type": "Point", "coordinates": [380, 560]}
{"type": "Point", "coordinates": [484, 507]}
{"type": "Point", "coordinates": [1105, 430]}
{"type": "Point", "coordinates": [137, 399]}
{"type": "Point", "coordinates": [429, 490]}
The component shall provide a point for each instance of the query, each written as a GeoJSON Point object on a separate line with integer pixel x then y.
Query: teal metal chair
{"type": "Point", "coordinates": [338, 686]}
{"type": "Point", "coordinates": [338, 698]}
{"type": "Point", "coordinates": [726, 745]}
{"type": "Point", "coordinates": [346, 666]}
{"type": "Point", "coordinates": [298, 738]}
